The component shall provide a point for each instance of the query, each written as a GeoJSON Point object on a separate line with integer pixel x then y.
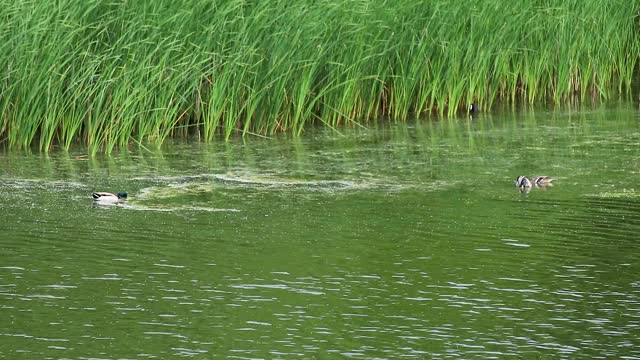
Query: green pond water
{"type": "Point", "coordinates": [397, 241]}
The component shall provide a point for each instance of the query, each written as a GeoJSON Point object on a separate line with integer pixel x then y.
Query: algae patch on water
{"type": "Point", "coordinates": [618, 194]}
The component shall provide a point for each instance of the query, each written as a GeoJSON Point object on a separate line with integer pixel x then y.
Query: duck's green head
{"type": "Point", "coordinates": [122, 195]}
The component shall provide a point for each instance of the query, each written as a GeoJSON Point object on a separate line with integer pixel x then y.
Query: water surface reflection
{"type": "Point", "coordinates": [404, 241]}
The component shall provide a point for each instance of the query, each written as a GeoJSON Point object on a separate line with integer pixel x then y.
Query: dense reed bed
{"type": "Point", "coordinates": [118, 72]}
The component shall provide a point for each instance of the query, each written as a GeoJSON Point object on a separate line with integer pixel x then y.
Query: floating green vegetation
{"type": "Point", "coordinates": [623, 193]}
{"type": "Point", "coordinates": [119, 72]}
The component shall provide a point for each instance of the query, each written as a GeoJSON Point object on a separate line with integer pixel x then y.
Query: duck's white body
{"type": "Point", "coordinates": [523, 182]}
{"type": "Point", "coordinates": [108, 198]}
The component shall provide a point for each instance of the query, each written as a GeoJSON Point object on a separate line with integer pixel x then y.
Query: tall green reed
{"type": "Point", "coordinates": [121, 73]}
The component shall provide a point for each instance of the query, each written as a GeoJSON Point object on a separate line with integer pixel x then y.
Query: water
{"type": "Point", "coordinates": [402, 241]}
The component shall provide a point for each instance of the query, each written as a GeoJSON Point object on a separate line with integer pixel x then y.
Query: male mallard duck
{"type": "Point", "coordinates": [538, 181]}
{"type": "Point", "coordinates": [522, 182]}
{"type": "Point", "coordinates": [108, 198]}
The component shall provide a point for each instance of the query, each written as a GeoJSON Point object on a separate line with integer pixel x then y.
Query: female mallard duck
{"type": "Point", "coordinates": [541, 181]}
{"type": "Point", "coordinates": [538, 181]}
{"type": "Point", "coordinates": [108, 198]}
